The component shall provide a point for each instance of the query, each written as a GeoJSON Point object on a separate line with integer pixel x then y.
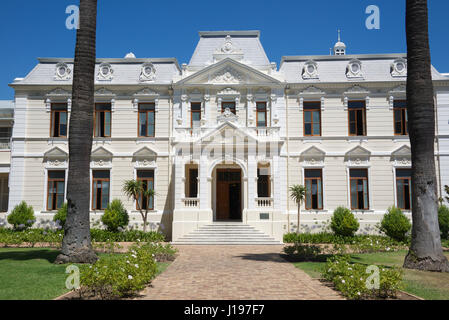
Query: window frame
{"type": "Point", "coordinates": [150, 208]}
{"type": "Point", "coordinates": [363, 109]}
{"type": "Point", "coordinates": [268, 182]}
{"type": "Point", "coordinates": [104, 122]}
{"type": "Point", "coordinates": [94, 189]}
{"type": "Point", "coordinates": [264, 111]}
{"type": "Point", "coordinates": [146, 119]}
{"type": "Point", "coordinates": [306, 109]}
{"type": "Point", "coordinates": [53, 118]}
{"type": "Point", "coordinates": [319, 193]}
{"type": "Point", "coordinates": [193, 112]}
{"type": "Point", "coordinates": [404, 118]}
{"type": "Point", "coordinates": [50, 182]}
{"type": "Point", "coordinates": [367, 189]}
{"type": "Point", "coordinates": [409, 179]}
{"type": "Point", "coordinates": [193, 184]}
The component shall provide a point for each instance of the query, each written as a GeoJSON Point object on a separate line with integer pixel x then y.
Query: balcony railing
{"type": "Point", "coordinates": [191, 203]}
{"type": "Point", "coordinates": [5, 143]}
{"type": "Point", "coordinates": [264, 202]}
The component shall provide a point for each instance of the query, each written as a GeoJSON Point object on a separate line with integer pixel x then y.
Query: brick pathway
{"type": "Point", "coordinates": [235, 273]}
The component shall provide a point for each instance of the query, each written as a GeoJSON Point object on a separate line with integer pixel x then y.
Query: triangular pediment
{"type": "Point", "coordinates": [102, 152]}
{"type": "Point", "coordinates": [228, 72]}
{"type": "Point", "coordinates": [145, 152]}
{"type": "Point", "coordinates": [55, 153]}
{"type": "Point", "coordinates": [358, 152]}
{"type": "Point", "coordinates": [226, 132]}
{"type": "Point", "coordinates": [313, 152]}
{"type": "Point", "coordinates": [403, 151]}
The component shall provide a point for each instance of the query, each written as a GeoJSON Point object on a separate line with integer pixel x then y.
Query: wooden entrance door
{"type": "Point", "coordinates": [229, 195]}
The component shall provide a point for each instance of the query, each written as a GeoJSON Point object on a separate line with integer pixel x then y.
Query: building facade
{"type": "Point", "coordinates": [224, 137]}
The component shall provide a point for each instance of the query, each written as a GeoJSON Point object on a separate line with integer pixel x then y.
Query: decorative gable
{"type": "Point", "coordinates": [145, 158]}
{"type": "Point", "coordinates": [55, 153]}
{"type": "Point", "coordinates": [358, 156]}
{"type": "Point", "coordinates": [313, 156]}
{"type": "Point", "coordinates": [101, 153]}
{"type": "Point", "coordinates": [402, 157]}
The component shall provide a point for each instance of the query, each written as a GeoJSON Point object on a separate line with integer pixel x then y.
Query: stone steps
{"type": "Point", "coordinates": [226, 233]}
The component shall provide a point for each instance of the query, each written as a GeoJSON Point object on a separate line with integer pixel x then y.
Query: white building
{"type": "Point", "coordinates": [224, 137]}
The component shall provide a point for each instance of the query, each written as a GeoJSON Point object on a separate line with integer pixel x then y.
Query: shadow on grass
{"type": "Point", "coordinates": [23, 255]}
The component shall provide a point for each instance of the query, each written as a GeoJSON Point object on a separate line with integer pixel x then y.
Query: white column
{"type": "Point", "coordinates": [203, 183]}
{"type": "Point", "coordinates": [252, 181]}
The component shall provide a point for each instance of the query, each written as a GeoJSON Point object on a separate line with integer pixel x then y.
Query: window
{"type": "Point", "coordinates": [4, 192]}
{"type": "Point", "coordinates": [263, 182]}
{"type": "Point", "coordinates": [400, 118]}
{"type": "Point", "coordinates": [102, 120]}
{"type": "Point", "coordinates": [193, 183]}
{"type": "Point", "coordinates": [261, 114]}
{"type": "Point", "coordinates": [5, 138]}
{"type": "Point", "coordinates": [195, 116]}
{"type": "Point", "coordinates": [147, 178]}
{"type": "Point", "coordinates": [314, 189]}
{"type": "Point", "coordinates": [226, 105]}
{"type": "Point", "coordinates": [146, 119]}
{"type": "Point", "coordinates": [357, 118]}
{"type": "Point", "coordinates": [58, 120]}
{"type": "Point", "coordinates": [359, 189]}
{"type": "Point", "coordinates": [56, 190]}
{"type": "Point", "coordinates": [404, 188]}
{"type": "Point", "coordinates": [312, 118]}
{"type": "Point", "coordinates": [100, 189]}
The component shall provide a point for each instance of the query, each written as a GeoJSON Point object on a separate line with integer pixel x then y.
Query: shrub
{"type": "Point", "coordinates": [115, 216]}
{"type": "Point", "coordinates": [61, 216]}
{"type": "Point", "coordinates": [22, 216]}
{"type": "Point", "coordinates": [119, 275]}
{"type": "Point", "coordinates": [351, 279]}
{"type": "Point", "coordinates": [395, 224]}
{"type": "Point", "coordinates": [443, 221]}
{"type": "Point", "coordinates": [343, 222]}
{"type": "Point", "coordinates": [99, 235]}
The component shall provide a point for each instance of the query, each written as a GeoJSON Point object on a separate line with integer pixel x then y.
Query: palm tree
{"type": "Point", "coordinates": [136, 190]}
{"type": "Point", "coordinates": [297, 193]}
{"type": "Point", "coordinates": [76, 244]}
{"type": "Point", "coordinates": [425, 250]}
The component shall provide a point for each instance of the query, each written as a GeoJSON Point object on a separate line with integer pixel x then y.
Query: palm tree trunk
{"type": "Point", "coordinates": [425, 250]}
{"type": "Point", "coordinates": [76, 245]}
{"type": "Point", "coordinates": [299, 214]}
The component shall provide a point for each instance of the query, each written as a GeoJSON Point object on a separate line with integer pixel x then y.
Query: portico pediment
{"type": "Point", "coordinates": [228, 72]}
{"type": "Point", "coordinates": [226, 133]}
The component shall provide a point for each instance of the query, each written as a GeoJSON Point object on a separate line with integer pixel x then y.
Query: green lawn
{"type": "Point", "coordinates": [427, 285]}
{"type": "Point", "coordinates": [29, 274]}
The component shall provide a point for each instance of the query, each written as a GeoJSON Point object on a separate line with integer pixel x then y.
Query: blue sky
{"type": "Point", "coordinates": [30, 29]}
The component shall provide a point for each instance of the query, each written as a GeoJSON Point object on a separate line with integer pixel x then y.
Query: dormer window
{"type": "Point", "coordinates": [105, 72]}
{"type": "Point", "coordinates": [62, 72]}
{"type": "Point", "coordinates": [354, 69]}
{"type": "Point", "coordinates": [399, 68]}
{"type": "Point", "coordinates": [310, 70]}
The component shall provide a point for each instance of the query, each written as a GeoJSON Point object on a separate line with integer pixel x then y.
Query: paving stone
{"type": "Point", "coordinates": [235, 273]}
